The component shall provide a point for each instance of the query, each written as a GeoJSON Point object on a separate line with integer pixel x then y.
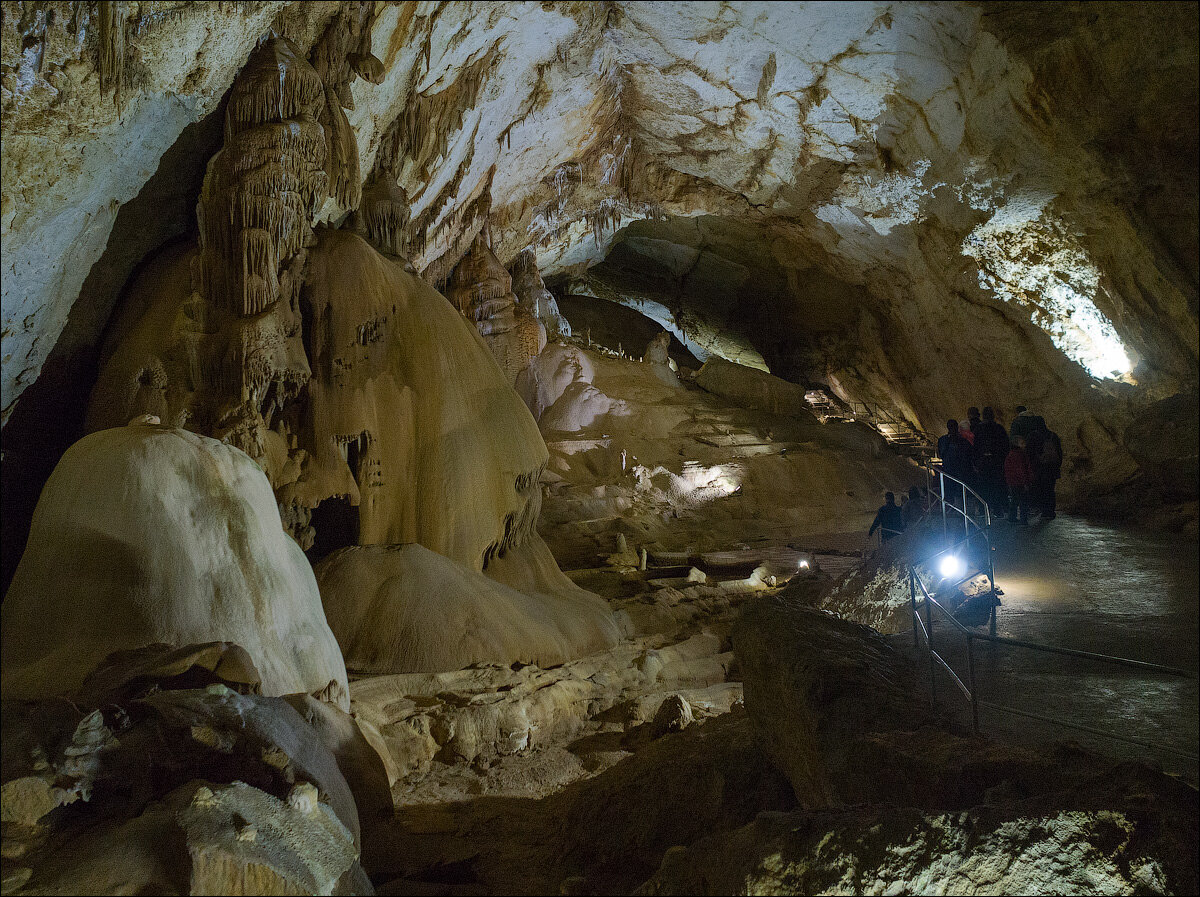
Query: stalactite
{"type": "Point", "coordinates": [421, 132]}
{"type": "Point", "coordinates": [368, 67]}
{"type": "Point", "coordinates": [383, 216]}
{"type": "Point", "coordinates": [346, 39]}
{"type": "Point", "coordinates": [111, 38]}
{"type": "Point", "coordinates": [262, 188]}
{"type": "Point", "coordinates": [342, 154]}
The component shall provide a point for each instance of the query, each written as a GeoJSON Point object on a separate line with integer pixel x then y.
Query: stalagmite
{"type": "Point", "coordinates": [482, 290]}
{"type": "Point", "coordinates": [148, 534]}
{"type": "Point", "coordinates": [532, 295]}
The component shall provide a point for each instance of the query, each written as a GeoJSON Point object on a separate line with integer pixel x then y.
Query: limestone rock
{"type": "Point", "coordinates": [752, 388]}
{"type": "Point", "coordinates": [531, 293]}
{"type": "Point", "coordinates": [482, 290]}
{"type": "Point", "coordinates": [674, 715]}
{"type": "Point", "coordinates": [168, 783]}
{"type": "Point", "coordinates": [557, 386]}
{"type": "Point", "coordinates": [151, 534]}
{"type": "Point", "coordinates": [989, 850]}
{"type": "Point", "coordinates": [362, 765]}
{"type": "Point", "coordinates": [812, 681]}
{"type": "Point", "coordinates": [211, 839]}
{"type": "Point", "coordinates": [400, 609]}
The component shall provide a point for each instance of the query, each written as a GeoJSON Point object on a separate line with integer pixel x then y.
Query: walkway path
{"type": "Point", "coordinates": [1097, 588]}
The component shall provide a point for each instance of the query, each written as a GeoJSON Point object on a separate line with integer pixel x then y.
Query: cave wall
{"type": "Point", "coordinates": [919, 171]}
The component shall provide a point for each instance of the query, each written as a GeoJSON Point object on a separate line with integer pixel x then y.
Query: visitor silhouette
{"type": "Point", "coordinates": [889, 519]}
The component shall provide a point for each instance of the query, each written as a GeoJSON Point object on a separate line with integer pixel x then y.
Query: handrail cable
{"type": "Point", "coordinates": [982, 528]}
{"type": "Point", "coordinates": [969, 689]}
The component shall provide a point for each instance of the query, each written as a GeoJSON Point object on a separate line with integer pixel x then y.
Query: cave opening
{"type": "Point", "coordinates": [335, 521]}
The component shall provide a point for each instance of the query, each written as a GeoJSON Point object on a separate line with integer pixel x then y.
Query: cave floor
{"type": "Point", "coordinates": [1100, 588]}
{"type": "Point", "coordinates": [603, 784]}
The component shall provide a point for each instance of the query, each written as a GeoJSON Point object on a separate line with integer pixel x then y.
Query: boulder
{"type": "Point", "coordinates": [150, 534]}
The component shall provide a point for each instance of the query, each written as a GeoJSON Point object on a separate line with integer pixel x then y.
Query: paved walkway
{"type": "Point", "coordinates": [1098, 588]}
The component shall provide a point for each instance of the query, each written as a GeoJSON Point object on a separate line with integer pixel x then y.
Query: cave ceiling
{"type": "Point", "coordinates": [816, 168]}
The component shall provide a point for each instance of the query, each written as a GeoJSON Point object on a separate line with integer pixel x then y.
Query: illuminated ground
{"type": "Point", "coordinates": [1096, 588]}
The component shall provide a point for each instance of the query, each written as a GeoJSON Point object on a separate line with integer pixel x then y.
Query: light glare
{"type": "Point", "coordinates": [951, 566]}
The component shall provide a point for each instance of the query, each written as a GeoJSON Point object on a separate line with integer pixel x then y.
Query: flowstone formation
{"type": "Point", "coordinates": [377, 412]}
{"type": "Point", "coordinates": [483, 291]}
{"type": "Point", "coordinates": [406, 609]}
{"type": "Point", "coordinates": [148, 534]}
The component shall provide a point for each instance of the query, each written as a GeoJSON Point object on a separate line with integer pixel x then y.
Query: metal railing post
{"type": "Point", "coordinates": [971, 680]}
{"type": "Point", "coordinates": [929, 642]}
{"type": "Point", "coordinates": [966, 518]}
{"type": "Point", "coordinates": [912, 598]}
{"type": "Point", "coordinates": [942, 481]}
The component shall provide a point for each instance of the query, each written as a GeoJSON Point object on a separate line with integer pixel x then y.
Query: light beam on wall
{"type": "Point", "coordinates": [1027, 256]}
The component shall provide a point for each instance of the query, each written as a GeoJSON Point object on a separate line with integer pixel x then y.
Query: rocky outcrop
{"type": "Point", "coordinates": [1028, 849]}
{"type": "Point", "coordinates": [889, 799]}
{"type": "Point", "coordinates": [163, 774]}
{"type": "Point", "coordinates": [149, 534]}
{"type": "Point", "coordinates": [482, 290]}
{"type": "Point", "coordinates": [815, 684]}
{"type": "Point", "coordinates": [752, 388]}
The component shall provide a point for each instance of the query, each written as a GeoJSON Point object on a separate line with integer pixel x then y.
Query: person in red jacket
{"type": "Point", "coordinates": [1018, 474]}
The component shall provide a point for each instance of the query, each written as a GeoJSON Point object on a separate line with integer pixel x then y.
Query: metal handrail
{"type": "Point", "coordinates": [971, 692]}
{"type": "Point", "coordinates": [925, 627]}
{"type": "Point", "coordinates": [877, 415]}
{"type": "Point", "coordinates": [982, 529]}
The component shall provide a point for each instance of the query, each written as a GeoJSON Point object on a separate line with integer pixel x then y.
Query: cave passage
{"type": "Point", "coordinates": [443, 446]}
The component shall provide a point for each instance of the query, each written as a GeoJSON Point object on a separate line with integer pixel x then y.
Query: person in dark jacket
{"type": "Point", "coordinates": [1018, 474]}
{"type": "Point", "coordinates": [991, 448]}
{"type": "Point", "coordinates": [889, 519]}
{"type": "Point", "coordinates": [914, 508]}
{"type": "Point", "coordinates": [972, 427]}
{"type": "Point", "coordinates": [1025, 423]}
{"type": "Point", "coordinates": [955, 453]}
{"type": "Point", "coordinates": [1045, 454]}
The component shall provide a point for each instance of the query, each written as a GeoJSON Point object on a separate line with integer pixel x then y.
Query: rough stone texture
{"type": "Point", "coordinates": [890, 139]}
{"type": "Point", "coordinates": [839, 715]}
{"type": "Point", "coordinates": [149, 534]}
{"type": "Point", "coordinates": [813, 682]}
{"type": "Point", "coordinates": [876, 592]}
{"type": "Point", "coordinates": [601, 835]}
{"type": "Point", "coordinates": [179, 784]}
{"type": "Point", "coordinates": [406, 609]}
{"type": "Point", "coordinates": [989, 850]}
